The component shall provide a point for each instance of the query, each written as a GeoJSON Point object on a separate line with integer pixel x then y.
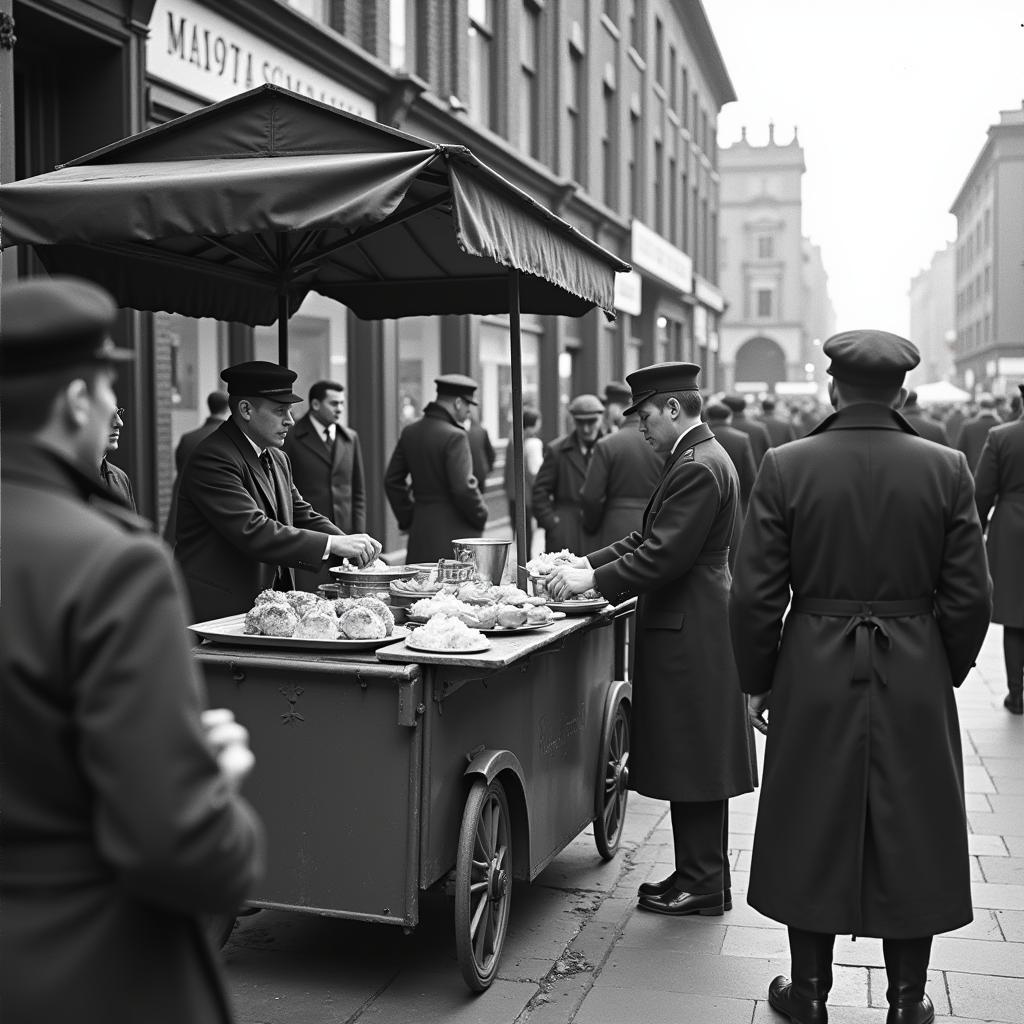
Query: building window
{"type": "Point", "coordinates": [763, 302]}
{"type": "Point", "coordinates": [658, 191]}
{"type": "Point", "coordinates": [529, 132]}
{"type": "Point", "coordinates": [636, 27]}
{"type": "Point", "coordinates": [317, 10]}
{"type": "Point", "coordinates": [673, 202]}
{"type": "Point", "coordinates": [633, 168]}
{"type": "Point", "coordinates": [659, 54]}
{"type": "Point", "coordinates": [611, 10]}
{"type": "Point", "coordinates": [988, 280]}
{"type": "Point", "coordinates": [482, 63]}
{"type": "Point", "coordinates": [988, 227]}
{"type": "Point", "coordinates": [695, 119]}
{"type": "Point", "coordinates": [673, 78]}
{"type": "Point", "coordinates": [397, 35]}
{"type": "Point", "coordinates": [608, 147]}
{"type": "Point", "coordinates": [765, 247]}
{"type": "Point", "coordinates": [577, 143]}
{"type": "Point", "coordinates": [684, 98]}
{"type": "Point", "coordinates": [684, 220]}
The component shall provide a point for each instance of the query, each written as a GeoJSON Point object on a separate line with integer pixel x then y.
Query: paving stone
{"type": "Point", "coordinates": [977, 802]}
{"type": "Point", "coordinates": [1009, 824]}
{"type": "Point", "coordinates": [986, 998]}
{"type": "Point", "coordinates": [681, 935]}
{"type": "Point", "coordinates": [1015, 844]}
{"type": "Point", "coordinates": [935, 987]}
{"type": "Point", "coordinates": [988, 846]}
{"type": "Point", "coordinates": [1002, 869]}
{"type": "Point", "coordinates": [985, 926]}
{"type": "Point", "coordinates": [1008, 803]}
{"type": "Point", "coordinates": [973, 956]}
{"type": "Point", "coordinates": [614, 1006]}
{"type": "Point", "coordinates": [418, 998]}
{"type": "Point", "coordinates": [1010, 785]}
{"type": "Point", "coordinates": [766, 943]}
{"type": "Point", "coordinates": [976, 872]}
{"type": "Point", "coordinates": [997, 896]}
{"type": "Point", "coordinates": [977, 780]}
{"type": "Point", "coordinates": [1002, 767]}
{"type": "Point", "coordinates": [1011, 924]}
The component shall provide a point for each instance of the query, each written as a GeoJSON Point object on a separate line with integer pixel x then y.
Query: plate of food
{"type": "Point", "coordinates": [578, 605]}
{"type": "Point", "coordinates": [526, 627]}
{"type": "Point", "coordinates": [445, 634]}
{"type": "Point", "coordinates": [231, 630]}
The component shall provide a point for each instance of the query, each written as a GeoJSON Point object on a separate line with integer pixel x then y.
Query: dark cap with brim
{"type": "Point", "coordinates": [50, 323]}
{"type": "Point", "coordinates": [617, 391]}
{"type": "Point", "coordinates": [868, 358]}
{"type": "Point", "coordinates": [260, 379]}
{"type": "Point", "coordinates": [457, 385]}
{"type": "Point", "coordinates": [585, 407]}
{"type": "Point", "coordinates": [660, 379]}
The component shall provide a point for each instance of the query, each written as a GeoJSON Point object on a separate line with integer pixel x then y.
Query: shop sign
{"type": "Point", "coordinates": [627, 293]}
{"type": "Point", "coordinates": [1011, 366]}
{"type": "Point", "coordinates": [659, 257]}
{"type": "Point", "coordinates": [198, 50]}
{"type": "Point", "coordinates": [700, 325]}
{"type": "Point", "coordinates": [707, 293]}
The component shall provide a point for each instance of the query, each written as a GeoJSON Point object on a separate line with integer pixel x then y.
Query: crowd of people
{"type": "Point", "coordinates": [820, 577]}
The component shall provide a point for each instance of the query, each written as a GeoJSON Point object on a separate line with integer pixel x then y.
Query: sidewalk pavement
{"type": "Point", "coordinates": [658, 970]}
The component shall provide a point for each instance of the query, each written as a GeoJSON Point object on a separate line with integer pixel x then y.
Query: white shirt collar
{"type": "Point", "coordinates": [682, 435]}
{"type": "Point", "coordinates": [255, 447]}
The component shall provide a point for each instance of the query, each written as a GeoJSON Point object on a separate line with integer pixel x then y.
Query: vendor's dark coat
{"type": "Point", "coordinates": [330, 479]}
{"type": "Point", "coordinates": [690, 739]}
{"type": "Point", "coordinates": [999, 482]}
{"type": "Point", "coordinates": [623, 472]}
{"type": "Point", "coordinates": [118, 830]}
{"type": "Point", "coordinates": [861, 824]}
{"type": "Point", "coordinates": [431, 487]}
{"type": "Point", "coordinates": [556, 496]}
{"type": "Point", "coordinates": [971, 437]}
{"type": "Point", "coordinates": [234, 529]}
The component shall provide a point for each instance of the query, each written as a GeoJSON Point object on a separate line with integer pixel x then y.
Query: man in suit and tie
{"type": "Point", "coordinates": [243, 526]}
{"type": "Point", "coordinates": [327, 467]}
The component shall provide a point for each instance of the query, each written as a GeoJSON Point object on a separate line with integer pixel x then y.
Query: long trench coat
{"type": "Point", "coordinates": [861, 823]}
{"type": "Point", "coordinates": [556, 496]}
{"type": "Point", "coordinates": [690, 737]}
{"type": "Point", "coordinates": [431, 487]}
{"type": "Point", "coordinates": [999, 481]}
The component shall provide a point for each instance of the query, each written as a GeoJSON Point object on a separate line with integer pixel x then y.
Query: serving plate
{"type": "Point", "coordinates": [578, 607]}
{"type": "Point", "coordinates": [526, 627]}
{"type": "Point", "coordinates": [231, 630]}
{"type": "Point", "coordinates": [483, 644]}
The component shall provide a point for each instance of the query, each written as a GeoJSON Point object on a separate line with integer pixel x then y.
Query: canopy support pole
{"type": "Point", "coordinates": [521, 526]}
{"type": "Point", "coordinates": [282, 302]}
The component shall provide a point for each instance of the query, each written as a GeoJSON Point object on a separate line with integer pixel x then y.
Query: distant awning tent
{"type": "Point", "coordinates": [941, 392]}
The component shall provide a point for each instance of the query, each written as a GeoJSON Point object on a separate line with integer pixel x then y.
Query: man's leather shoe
{"type": "Point", "coordinates": [677, 903]}
{"type": "Point", "coordinates": [921, 1012]}
{"type": "Point", "coordinates": [1014, 703]}
{"type": "Point", "coordinates": [800, 1011]}
{"type": "Point", "coordinates": [657, 888]}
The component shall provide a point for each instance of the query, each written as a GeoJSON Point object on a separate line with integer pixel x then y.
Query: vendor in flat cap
{"type": "Point", "coordinates": [429, 479]}
{"type": "Point", "coordinates": [691, 742]}
{"type": "Point", "coordinates": [121, 827]}
{"type": "Point", "coordinates": [556, 489]}
{"type": "Point", "coordinates": [865, 538]}
{"type": "Point", "coordinates": [242, 526]}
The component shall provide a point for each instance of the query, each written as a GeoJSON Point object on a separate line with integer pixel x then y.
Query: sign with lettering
{"type": "Point", "coordinates": [660, 258]}
{"type": "Point", "coordinates": [198, 50]}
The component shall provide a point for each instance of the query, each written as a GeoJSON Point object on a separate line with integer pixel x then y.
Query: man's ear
{"type": "Point", "coordinates": [833, 393]}
{"type": "Point", "coordinates": [674, 408]}
{"type": "Point", "coordinates": [901, 399]}
{"type": "Point", "coordinates": [245, 409]}
{"type": "Point", "coordinates": [75, 399]}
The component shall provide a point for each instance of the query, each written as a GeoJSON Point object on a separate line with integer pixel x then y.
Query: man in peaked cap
{"type": "Point", "coordinates": [691, 741]}
{"type": "Point", "coordinates": [616, 397]}
{"type": "Point", "coordinates": [121, 824]}
{"type": "Point", "coordinates": [870, 535]}
{"type": "Point", "coordinates": [556, 489]}
{"type": "Point", "coordinates": [429, 481]}
{"type": "Point", "coordinates": [242, 526]}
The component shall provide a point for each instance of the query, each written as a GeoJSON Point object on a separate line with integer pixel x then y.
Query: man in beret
{"type": "Point", "coordinates": [760, 441]}
{"type": "Point", "coordinates": [122, 825]}
{"type": "Point", "coordinates": [970, 438]}
{"type": "Point", "coordinates": [780, 430]}
{"type": "Point", "coordinates": [999, 483]}
{"type": "Point", "coordinates": [559, 481]}
{"type": "Point", "coordinates": [327, 467]}
{"type": "Point", "coordinates": [737, 446]}
{"type": "Point", "coordinates": [869, 536]}
{"type": "Point", "coordinates": [691, 743]}
{"type": "Point", "coordinates": [429, 481]}
{"type": "Point", "coordinates": [929, 429]}
{"type": "Point", "coordinates": [242, 525]}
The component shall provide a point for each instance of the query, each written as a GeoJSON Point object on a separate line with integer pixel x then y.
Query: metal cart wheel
{"type": "Point", "coordinates": [613, 782]}
{"type": "Point", "coordinates": [483, 883]}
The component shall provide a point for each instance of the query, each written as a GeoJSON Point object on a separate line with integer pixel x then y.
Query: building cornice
{"type": "Point", "coordinates": [694, 18]}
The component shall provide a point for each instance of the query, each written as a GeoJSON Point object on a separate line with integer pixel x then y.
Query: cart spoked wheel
{"type": "Point", "coordinates": [219, 927]}
{"type": "Point", "coordinates": [614, 783]}
{"type": "Point", "coordinates": [483, 883]}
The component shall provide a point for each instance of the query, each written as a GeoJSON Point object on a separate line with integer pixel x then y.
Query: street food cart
{"type": "Point", "coordinates": [382, 773]}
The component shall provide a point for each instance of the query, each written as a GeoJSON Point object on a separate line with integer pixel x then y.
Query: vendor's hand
{"type": "Point", "coordinates": [359, 548]}
{"type": "Point", "coordinates": [229, 743]}
{"type": "Point", "coordinates": [569, 580]}
{"type": "Point", "coordinates": [757, 705]}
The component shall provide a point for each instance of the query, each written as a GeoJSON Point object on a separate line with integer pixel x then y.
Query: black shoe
{"type": "Point", "coordinates": [921, 1012]}
{"type": "Point", "coordinates": [800, 1011]}
{"type": "Point", "coordinates": [677, 903]}
{"type": "Point", "coordinates": [1014, 703]}
{"type": "Point", "coordinates": [657, 888]}
{"type": "Point", "coordinates": [727, 899]}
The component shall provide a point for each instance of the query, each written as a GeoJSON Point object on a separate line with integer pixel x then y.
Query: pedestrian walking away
{"type": "Point", "coordinates": [923, 424]}
{"type": "Point", "coordinates": [242, 525]}
{"type": "Point", "coordinates": [780, 431]}
{"type": "Point", "coordinates": [737, 446]}
{"type": "Point", "coordinates": [327, 468]}
{"type": "Point", "coordinates": [429, 481]}
{"type": "Point", "coordinates": [999, 487]}
{"type": "Point", "coordinates": [121, 824]}
{"type": "Point", "coordinates": [691, 743]}
{"type": "Point", "coordinates": [870, 536]}
{"type": "Point", "coordinates": [760, 441]}
{"type": "Point", "coordinates": [971, 437]}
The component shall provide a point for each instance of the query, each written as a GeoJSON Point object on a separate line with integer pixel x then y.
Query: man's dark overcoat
{"type": "Point", "coordinates": [623, 472]}
{"type": "Point", "coordinates": [861, 824]}
{"type": "Point", "coordinates": [779, 431]}
{"type": "Point", "coordinates": [690, 737]}
{"type": "Point", "coordinates": [971, 437]}
{"type": "Point", "coordinates": [442, 500]}
{"type": "Point", "coordinates": [235, 527]}
{"type": "Point", "coordinates": [330, 479]}
{"type": "Point", "coordinates": [929, 429]}
{"type": "Point", "coordinates": [999, 481]}
{"type": "Point", "coordinates": [556, 496]}
{"type": "Point", "coordinates": [760, 441]}
{"type": "Point", "coordinates": [737, 447]}
{"type": "Point", "coordinates": [118, 830]}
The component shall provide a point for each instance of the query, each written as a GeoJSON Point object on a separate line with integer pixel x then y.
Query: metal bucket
{"type": "Point", "coordinates": [486, 553]}
{"type": "Point", "coordinates": [354, 583]}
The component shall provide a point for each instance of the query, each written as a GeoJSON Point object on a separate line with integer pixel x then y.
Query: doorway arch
{"type": "Point", "coordinates": [760, 358]}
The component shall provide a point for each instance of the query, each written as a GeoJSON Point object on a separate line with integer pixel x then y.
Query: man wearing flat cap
{"type": "Point", "coordinates": [691, 742]}
{"type": "Point", "coordinates": [122, 825]}
{"type": "Point", "coordinates": [242, 525]}
{"type": "Point", "coordinates": [616, 397]}
{"type": "Point", "coordinates": [559, 481]}
{"type": "Point", "coordinates": [864, 539]}
{"type": "Point", "coordinates": [760, 439]}
{"type": "Point", "coordinates": [429, 481]}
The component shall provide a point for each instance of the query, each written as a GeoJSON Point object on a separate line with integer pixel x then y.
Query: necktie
{"type": "Point", "coordinates": [265, 463]}
{"type": "Point", "coordinates": [329, 437]}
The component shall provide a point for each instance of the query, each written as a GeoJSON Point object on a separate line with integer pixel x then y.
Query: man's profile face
{"type": "Point", "coordinates": [116, 423]}
{"type": "Point", "coordinates": [95, 436]}
{"type": "Point", "coordinates": [587, 428]}
{"type": "Point", "coordinates": [328, 410]}
{"type": "Point", "coordinates": [658, 425]}
{"type": "Point", "coordinates": [267, 421]}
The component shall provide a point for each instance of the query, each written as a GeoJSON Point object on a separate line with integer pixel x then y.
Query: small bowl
{"type": "Point", "coordinates": [539, 586]}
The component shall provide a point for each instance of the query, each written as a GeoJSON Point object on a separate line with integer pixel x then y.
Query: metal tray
{"type": "Point", "coordinates": [578, 607]}
{"type": "Point", "coordinates": [231, 630]}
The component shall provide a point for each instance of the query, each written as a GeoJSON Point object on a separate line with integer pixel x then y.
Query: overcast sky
{"type": "Point", "coordinates": [892, 99]}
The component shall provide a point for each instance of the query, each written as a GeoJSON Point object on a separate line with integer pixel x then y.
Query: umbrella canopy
{"type": "Point", "coordinates": [269, 195]}
{"type": "Point", "coordinates": [941, 391]}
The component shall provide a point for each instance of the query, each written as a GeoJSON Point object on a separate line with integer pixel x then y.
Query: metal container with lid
{"type": "Point", "coordinates": [370, 583]}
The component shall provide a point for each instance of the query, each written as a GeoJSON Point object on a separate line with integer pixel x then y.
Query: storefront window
{"type": "Point", "coordinates": [496, 374]}
{"type": "Point", "coordinates": [419, 363]}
